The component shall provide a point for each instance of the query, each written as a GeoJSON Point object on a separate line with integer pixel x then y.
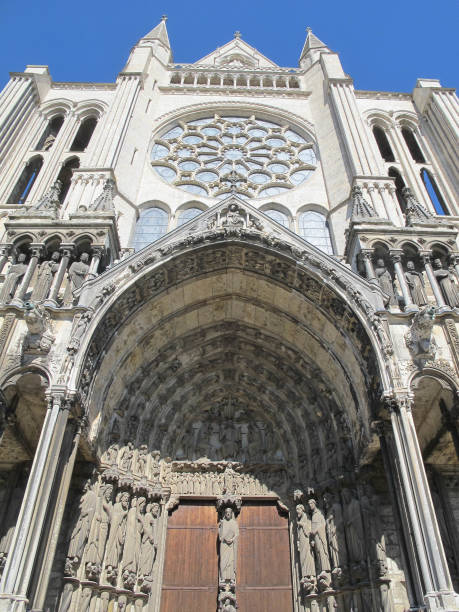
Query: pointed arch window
{"type": "Point", "coordinates": [187, 215]}
{"type": "Point", "coordinates": [399, 185]}
{"type": "Point", "coordinates": [83, 136]}
{"type": "Point", "coordinates": [412, 145]}
{"type": "Point", "coordinates": [313, 227]}
{"type": "Point", "coordinates": [434, 193]}
{"type": "Point", "coordinates": [65, 176]}
{"type": "Point", "coordinates": [151, 225]}
{"type": "Point", "coordinates": [49, 135]}
{"type": "Point", "coordinates": [383, 144]}
{"type": "Point", "coordinates": [278, 216]}
{"type": "Point", "coordinates": [26, 180]}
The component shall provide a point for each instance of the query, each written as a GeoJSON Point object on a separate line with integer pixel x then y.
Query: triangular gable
{"type": "Point", "coordinates": [237, 54]}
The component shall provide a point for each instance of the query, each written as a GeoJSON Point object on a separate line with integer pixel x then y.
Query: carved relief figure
{"type": "Point", "coordinates": [80, 532]}
{"type": "Point", "coordinates": [116, 536]}
{"type": "Point", "coordinates": [15, 274]}
{"type": "Point", "coordinates": [148, 547]}
{"type": "Point", "coordinates": [45, 277]}
{"type": "Point", "coordinates": [228, 534]}
{"type": "Point", "coordinates": [78, 271]}
{"type": "Point", "coordinates": [385, 282]}
{"type": "Point", "coordinates": [307, 565]}
{"type": "Point", "coordinates": [319, 542]}
{"type": "Point", "coordinates": [446, 282]}
{"type": "Point", "coordinates": [126, 457]}
{"type": "Point", "coordinates": [99, 533]}
{"type": "Point", "coordinates": [415, 284]}
{"type": "Point", "coordinates": [142, 460]}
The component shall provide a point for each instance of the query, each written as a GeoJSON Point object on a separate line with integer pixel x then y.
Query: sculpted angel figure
{"type": "Point", "coordinates": [228, 535]}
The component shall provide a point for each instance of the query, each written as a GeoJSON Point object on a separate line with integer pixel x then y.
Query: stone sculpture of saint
{"type": "Point", "coordinates": [116, 536]}
{"type": "Point", "coordinates": [228, 535]}
{"type": "Point", "coordinates": [80, 532]}
{"type": "Point", "coordinates": [99, 533]}
{"type": "Point", "coordinates": [335, 532]}
{"type": "Point", "coordinates": [45, 277]}
{"type": "Point", "coordinates": [133, 539]}
{"type": "Point", "coordinates": [446, 282]}
{"type": "Point", "coordinates": [142, 460]}
{"type": "Point", "coordinates": [126, 457]}
{"type": "Point", "coordinates": [319, 537]}
{"type": "Point", "coordinates": [415, 284]}
{"type": "Point", "coordinates": [148, 547]}
{"type": "Point", "coordinates": [14, 276]}
{"type": "Point", "coordinates": [303, 522]}
{"type": "Point", "coordinates": [385, 282]}
{"type": "Point", "coordinates": [354, 527]}
{"type": "Point", "coordinates": [78, 271]}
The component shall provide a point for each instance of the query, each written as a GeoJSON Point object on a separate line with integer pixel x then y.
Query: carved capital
{"type": "Point", "coordinates": [97, 250]}
{"type": "Point", "coordinates": [396, 255]}
{"type": "Point", "coordinates": [229, 500]}
{"type": "Point", "coordinates": [398, 402]}
{"type": "Point", "coordinates": [426, 257]}
{"type": "Point", "coordinates": [67, 249]}
{"type": "Point", "coordinates": [37, 249]}
{"type": "Point", "coordinates": [5, 249]}
{"type": "Point", "coordinates": [366, 254]}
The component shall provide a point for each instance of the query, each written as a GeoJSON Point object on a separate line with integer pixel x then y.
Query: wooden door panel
{"type": "Point", "coordinates": [265, 600]}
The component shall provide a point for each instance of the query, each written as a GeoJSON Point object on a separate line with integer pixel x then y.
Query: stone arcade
{"type": "Point", "coordinates": [228, 339]}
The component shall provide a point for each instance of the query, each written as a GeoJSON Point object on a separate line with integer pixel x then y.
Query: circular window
{"type": "Point", "coordinates": [214, 155]}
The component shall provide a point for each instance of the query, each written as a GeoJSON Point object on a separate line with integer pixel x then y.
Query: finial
{"type": "Point", "coordinates": [308, 30]}
{"type": "Point", "coordinates": [237, 34]}
{"type": "Point", "coordinates": [164, 18]}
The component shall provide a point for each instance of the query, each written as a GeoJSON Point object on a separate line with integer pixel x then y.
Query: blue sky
{"type": "Point", "coordinates": [383, 46]}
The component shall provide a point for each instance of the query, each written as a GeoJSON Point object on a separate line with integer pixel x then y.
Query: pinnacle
{"type": "Point", "coordinates": [159, 33]}
{"type": "Point", "coordinates": [312, 42]}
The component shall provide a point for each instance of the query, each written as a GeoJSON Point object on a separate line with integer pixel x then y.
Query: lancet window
{"type": "Point", "coordinates": [313, 227]}
{"type": "Point", "coordinates": [151, 225]}
{"type": "Point", "coordinates": [188, 214]}
{"type": "Point", "coordinates": [83, 136]}
{"type": "Point", "coordinates": [383, 144]}
{"type": "Point", "coordinates": [26, 180]}
{"type": "Point", "coordinates": [434, 193]}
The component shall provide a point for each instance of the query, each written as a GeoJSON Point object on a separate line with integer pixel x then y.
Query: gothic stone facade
{"type": "Point", "coordinates": [228, 339]}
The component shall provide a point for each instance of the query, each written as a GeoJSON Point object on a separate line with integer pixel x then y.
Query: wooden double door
{"type": "Point", "coordinates": [190, 579]}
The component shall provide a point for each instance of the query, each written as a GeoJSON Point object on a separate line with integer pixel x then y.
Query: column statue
{"type": "Point", "coordinates": [13, 278]}
{"type": "Point", "coordinates": [148, 547]}
{"type": "Point", "coordinates": [80, 532]}
{"type": "Point", "coordinates": [133, 539]}
{"type": "Point", "coordinates": [45, 277]}
{"type": "Point", "coordinates": [319, 543]}
{"type": "Point", "coordinates": [335, 533]}
{"type": "Point", "coordinates": [78, 271]}
{"type": "Point", "coordinates": [385, 282]}
{"type": "Point", "coordinates": [446, 282]}
{"type": "Point", "coordinates": [354, 527]}
{"type": "Point", "coordinates": [307, 566]}
{"type": "Point", "coordinates": [116, 536]}
{"type": "Point", "coordinates": [415, 284]}
{"type": "Point", "coordinates": [99, 533]}
{"type": "Point", "coordinates": [228, 534]}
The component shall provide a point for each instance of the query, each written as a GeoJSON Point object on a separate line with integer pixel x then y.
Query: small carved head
{"type": "Point", "coordinates": [125, 501]}
{"type": "Point", "coordinates": [21, 258]}
{"type": "Point", "coordinates": [437, 263]}
{"type": "Point", "coordinates": [108, 492]}
{"type": "Point", "coordinates": [312, 504]}
{"type": "Point", "coordinates": [300, 510]}
{"type": "Point", "coordinates": [141, 503]}
{"type": "Point", "coordinates": [84, 257]}
{"type": "Point", "coordinates": [380, 263]}
{"type": "Point", "coordinates": [228, 514]}
{"type": "Point", "coordinates": [410, 265]}
{"type": "Point", "coordinates": [55, 256]}
{"type": "Point", "coordinates": [155, 509]}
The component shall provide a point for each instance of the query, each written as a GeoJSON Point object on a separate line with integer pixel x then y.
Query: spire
{"type": "Point", "coordinates": [159, 33]}
{"type": "Point", "coordinates": [311, 44]}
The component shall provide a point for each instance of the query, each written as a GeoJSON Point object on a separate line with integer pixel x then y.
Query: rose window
{"type": "Point", "coordinates": [217, 155]}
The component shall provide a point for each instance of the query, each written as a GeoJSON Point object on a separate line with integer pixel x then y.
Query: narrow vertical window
{"type": "Point", "coordinates": [399, 185]}
{"type": "Point", "coordinates": [278, 216]}
{"type": "Point", "coordinates": [434, 193]}
{"type": "Point", "coordinates": [383, 144]}
{"type": "Point", "coordinates": [187, 215]}
{"type": "Point", "coordinates": [83, 136]}
{"type": "Point", "coordinates": [413, 146]}
{"type": "Point", "coordinates": [314, 228]}
{"type": "Point", "coordinates": [151, 225]}
{"type": "Point", "coordinates": [65, 176]}
{"type": "Point", "coordinates": [26, 180]}
{"type": "Point", "coordinates": [49, 135]}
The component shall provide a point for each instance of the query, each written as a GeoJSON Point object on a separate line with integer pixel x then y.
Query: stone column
{"type": "Point", "coordinates": [366, 255]}
{"type": "Point", "coordinates": [425, 255]}
{"type": "Point", "coordinates": [396, 258]}
{"type": "Point", "coordinates": [37, 251]}
{"type": "Point", "coordinates": [97, 254]}
{"type": "Point", "coordinates": [5, 250]}
{"type": "Point", "coordinates": [20, 564]}
{"type": "Point", "coordinates": [66, 251]}
{"type": "Point", "coordinates": [433, 567]}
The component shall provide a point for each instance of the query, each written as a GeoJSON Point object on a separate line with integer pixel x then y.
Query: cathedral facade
{"type": "Point", "coordinates": [228, 339]}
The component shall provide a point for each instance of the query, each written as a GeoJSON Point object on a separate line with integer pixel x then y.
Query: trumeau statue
{"type": "Point", "coordinates": [415, 284]}
{"type": "Point", "coordinates": [228, 535]}
{"type": "Point", "coordinates": [78, 271]}
{"type": "Point", "coordinates": [116, 536]}
{"type": "Point", "coordinates": [446, 282]}
{"type": "Point", "coordinates": [14, 276]}
{"type": "Point", "coordinates": [80, 532]}
{"type": "Point", "coordinates": [308, 570]}
{"type": "Point", "coordinates": [385, 282]}
{"type": "Point", "coordinates": [45, 277]}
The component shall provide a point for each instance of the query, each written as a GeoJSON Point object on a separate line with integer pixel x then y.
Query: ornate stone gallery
{"type": "Point", "coordinates": [228, 339]}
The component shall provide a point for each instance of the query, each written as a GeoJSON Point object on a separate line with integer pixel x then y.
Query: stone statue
{"type": "Point", "coordinates": [45, 277]}
{"type": "Point", "coordinates": [142, 459]}
{"type": "Point", "coordinates": [319, 543]}
{"type": "Point", "coordinates": [148, 547]}
{"type": "Point", "coordinates": [126, 457]}
{"type": "Point", "coordinates": [415, 284]}
{"type": "Point", "coordinates": [116, 536]}
{"type": "Point", "coordinates": [228, 535]}
{"type": "Point", "coordinates": [134, 530]}
{"type": "Point", "coordinates": [447, 285]}
{"type": "Point", "coordinates": [354, 527]}
{"type": "Point", "coordinates": [307, 566]}
{"type": "Point", "coordinates": [78, 271]}
{"type": "Point", "coordinates": [99, 533]}
{"type": "Point", "coordinates": [228, 606]}
{"type": "Point", "coordinates": [335, 533]}
{"type": "Point", "coordinates": [80, 532]}
{"type": "Point", "coordinates": [385, 282]}
{"type": "Point", "coordinates": [14, 276]}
